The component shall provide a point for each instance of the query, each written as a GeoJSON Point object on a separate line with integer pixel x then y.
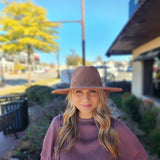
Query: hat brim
{"type": "Point", "coordinates": [106, 89]}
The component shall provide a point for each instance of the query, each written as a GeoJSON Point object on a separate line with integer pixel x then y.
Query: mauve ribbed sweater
{"type": "Point", "coordinates": [88, 147]}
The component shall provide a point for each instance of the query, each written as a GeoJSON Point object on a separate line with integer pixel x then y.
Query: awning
{"type": "Point", "coordinates": [148, 55]}
{"type": "Point", "coordinates": [142, 27]}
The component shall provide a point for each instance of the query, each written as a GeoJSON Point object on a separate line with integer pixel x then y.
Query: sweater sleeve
{"type": "Point", "coordinates": [47, 152]}
{"type": "Point", "coordinates": [130, 147]}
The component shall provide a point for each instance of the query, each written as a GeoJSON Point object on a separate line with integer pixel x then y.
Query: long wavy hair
{"type": "Point", "coordinates": [108, 137]}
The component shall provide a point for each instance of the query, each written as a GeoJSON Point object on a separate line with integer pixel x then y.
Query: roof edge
{"type": "Point", "coordinates": [108, 52]}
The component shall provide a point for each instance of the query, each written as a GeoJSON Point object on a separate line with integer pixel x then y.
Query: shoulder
{"type": "Point", "coordinates": [58, 119]}
{"type": "Point", "coordinates": [57, 122]}
{"type": "Point", "coordinates": [119, 125]}
{"type": "Point", "coordinates": [130, 146]}
{"type": "Point", "coordinates": [125, 134]}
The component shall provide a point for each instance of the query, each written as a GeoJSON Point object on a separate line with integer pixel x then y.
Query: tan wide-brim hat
{"type": "Point", "coordinates": [86, 78]}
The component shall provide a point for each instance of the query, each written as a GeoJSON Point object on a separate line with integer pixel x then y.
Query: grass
{"type": "Point", "coordinates": [22, 88]}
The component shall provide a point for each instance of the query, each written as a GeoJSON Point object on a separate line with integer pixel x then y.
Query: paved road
{"type": "Point", "coordinates": [21, 79]}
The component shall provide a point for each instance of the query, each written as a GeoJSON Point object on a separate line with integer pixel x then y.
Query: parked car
{"type": "Point", "coordinates": [129, 69]}
{"type": "Point", "coordinates": [2, 81]}
{"type": "Point", "coordinates": [111, 73]}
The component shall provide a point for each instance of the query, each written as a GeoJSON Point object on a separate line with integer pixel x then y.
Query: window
{"type": "Point", "coordinates": [156, 77]}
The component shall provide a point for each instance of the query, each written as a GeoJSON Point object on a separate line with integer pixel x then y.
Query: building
{"type": "Point", "coordinates": [7, 62]}
{"type": "Point", "coordinates": [141, 38]}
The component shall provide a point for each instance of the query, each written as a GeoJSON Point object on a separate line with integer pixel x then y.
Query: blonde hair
{"type": "Point", "coordinates": [108, 137]}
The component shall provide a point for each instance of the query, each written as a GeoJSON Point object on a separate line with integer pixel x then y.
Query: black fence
{"type": "Point", "coordinates": [9, 104]}
{"type": "Point", "coordinates": [125, 85]}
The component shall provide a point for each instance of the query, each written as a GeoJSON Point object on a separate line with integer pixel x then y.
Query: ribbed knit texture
{"type": "Point", "coordinates": [88, 147]}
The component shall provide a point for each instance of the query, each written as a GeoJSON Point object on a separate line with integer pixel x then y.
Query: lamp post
{"type": "Point", "coordinates": [58, 74]}
{"type": "Point", "coordinates": [82, 22]}
{"type": "Point", "coordinates": [83, 34]}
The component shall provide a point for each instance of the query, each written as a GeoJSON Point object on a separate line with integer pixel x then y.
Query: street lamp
{"type": "Point", "coordinates": [83, 34]}
{"type": "Point", "coordinates": [82, 22]}
{"type": "Point", "coordinates": [58, 74]}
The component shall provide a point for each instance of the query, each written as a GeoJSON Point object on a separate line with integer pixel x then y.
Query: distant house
{"type": "Point", "coordinates": [7, 61]}
{"type": "Point", "coordinates": [141, 38]}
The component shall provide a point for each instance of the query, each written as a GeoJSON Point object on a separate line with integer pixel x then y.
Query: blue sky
{"type": "Point", "coordinates": [104, 19]}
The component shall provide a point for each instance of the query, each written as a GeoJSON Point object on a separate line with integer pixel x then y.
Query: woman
{"type": "Point", "coordinates": [87, 129]}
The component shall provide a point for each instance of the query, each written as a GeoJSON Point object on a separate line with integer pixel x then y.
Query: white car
{"type": "Point", "coordinates": [112, 71]}
{"type": "Point", "coordinates": [109, 72]}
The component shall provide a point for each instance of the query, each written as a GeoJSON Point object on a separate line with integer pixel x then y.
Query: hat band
{"type": "Point", "coordinates": [84, 83]}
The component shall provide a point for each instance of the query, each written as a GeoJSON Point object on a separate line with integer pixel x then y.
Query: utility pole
{"type": "Point", "coordinates": [58, 74]}
{"type": "Point", "coordinates": [83, 34]}
{"type": "Point", "coordinates": [82, 22]}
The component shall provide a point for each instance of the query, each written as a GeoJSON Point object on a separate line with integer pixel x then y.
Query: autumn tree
{"type": "Point", "coordinates": [99, 58]}
{"type": "Point", "coordinates": [75, 60]}
{"type": "Point", "coordinates": [24, 27]}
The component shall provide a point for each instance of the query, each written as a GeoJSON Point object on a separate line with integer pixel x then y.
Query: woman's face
{"type": "Point", "coordinates": [85, 100]}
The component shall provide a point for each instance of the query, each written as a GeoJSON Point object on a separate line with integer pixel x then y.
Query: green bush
{"type": "Point", "coordinates": [36, 133]}
{"type": "Point", "coordinates": [41, 94]}
{"type": "Point", "coordinates": [154, 138]}
{"type": "Point", "coordinates": [17, 152]}
{"type": "Point", "coordinates": [38, 129]}
{"type": "Point", "coordinates": [149, 120]}
{"type": "Point", "coordinates": [117, 100]}
{"type": "Point", "coordinates": [131, 104]}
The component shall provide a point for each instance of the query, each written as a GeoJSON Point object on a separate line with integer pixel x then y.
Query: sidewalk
{"type": "Point", "coordinates": [8, 142]}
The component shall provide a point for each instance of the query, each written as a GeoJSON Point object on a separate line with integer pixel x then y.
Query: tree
{"type": "Point", "coordinates": [99, 58]}
{"type": "Point", "coordinates": [19, 67]}
{"type": "Point", "coordinates": [24, 27]}
{"type": "Point", "coordinates": [74, 59]}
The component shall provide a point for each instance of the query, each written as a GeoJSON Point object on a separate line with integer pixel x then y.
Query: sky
{"type": "Point", "coordinates": [104, 20]}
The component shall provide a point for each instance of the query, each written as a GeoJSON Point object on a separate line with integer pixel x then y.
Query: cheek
{"type": "Point", "coordinates": [75, 100]}
{"type": "Point", "coordinates": [96, 99]}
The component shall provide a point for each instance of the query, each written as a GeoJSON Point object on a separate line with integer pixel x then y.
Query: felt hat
{"type": "Point", "coordinates": [86, 77]}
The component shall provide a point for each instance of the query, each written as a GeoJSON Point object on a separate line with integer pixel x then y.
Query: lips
{"type": "Point", "coordinates": [86, 105]}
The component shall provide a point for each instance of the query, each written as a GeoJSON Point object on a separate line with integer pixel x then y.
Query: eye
{"type": "Point", "coordinates": [92, 92]}
{"type": "Point", "coordinates": [78, 92]}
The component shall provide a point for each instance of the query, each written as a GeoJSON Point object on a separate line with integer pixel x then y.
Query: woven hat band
{"type": "Point", "coordinates": [85, 77]}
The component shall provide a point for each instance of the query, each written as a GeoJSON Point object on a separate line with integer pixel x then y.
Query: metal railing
{"type": "Point", "coordinates": [19, 103]}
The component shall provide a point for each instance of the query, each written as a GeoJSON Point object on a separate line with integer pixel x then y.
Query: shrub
{"type": "Point", "coordinates": [117, 100]}
{"type": "Point", "coordinates": [17, 152]}
{"type": "Point", "coordinates": [149, 114]}
{"type": "Point", "coordinates": [149, 120]}
{"type": "Point", "coordinates": [19, 66]}
{"type": "Point", "coordinates": [41, 94]}
{"type": "Point", "coordinates": [147, 104]}
{"type": "Point", "coordinates": [131, 104]}
{"type": "Point", "coordinates": [36, 134]}
{"type": "Point", "coordinates": [39, 127]}
{"type": "Point", "coordinates": [154, 138]}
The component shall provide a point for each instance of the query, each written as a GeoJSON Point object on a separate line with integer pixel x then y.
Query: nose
{"type": "Point", "coordinates": [86, 97]}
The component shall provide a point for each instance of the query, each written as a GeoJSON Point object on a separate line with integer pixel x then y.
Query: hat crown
{"type": "Point", "coordinates": [85, 77]}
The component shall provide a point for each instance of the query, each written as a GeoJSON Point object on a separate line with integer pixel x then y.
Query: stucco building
{"type": "Point", "coordinates": [141, 38]}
